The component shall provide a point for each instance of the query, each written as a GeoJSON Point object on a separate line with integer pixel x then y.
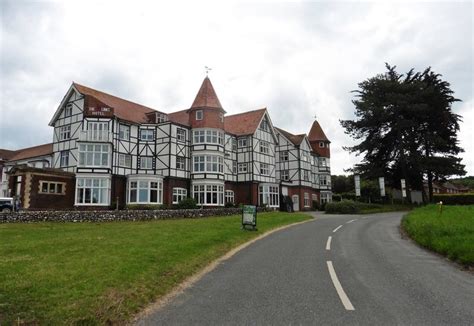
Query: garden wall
{"type": "Point", "coordinates": [110, 216]}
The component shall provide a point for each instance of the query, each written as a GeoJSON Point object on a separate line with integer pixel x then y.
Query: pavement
{"type": "Point", "coordinates": [367, 274]}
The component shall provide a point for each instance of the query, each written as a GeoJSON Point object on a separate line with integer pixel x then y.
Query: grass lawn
{"type": "Point", "coordinates": [451, 234]}
{"type": "Point", "coordinates": [386, 208]}
{"type": "Point", "coordinates": [88, 273]}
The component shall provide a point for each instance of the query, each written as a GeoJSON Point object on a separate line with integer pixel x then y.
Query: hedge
{"type": "Point", "coordinates": [455, 199]}
{"type": "Point", "coordinates": [348, 207]}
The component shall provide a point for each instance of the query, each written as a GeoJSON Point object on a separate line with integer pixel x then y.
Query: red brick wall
{"type": "Point", "coordinates": [245, 193]}
{"type": "Point", "coordinates": [169, 184]}
{"type": "Point", "coordinates": [40, 200]}
{"type": "Point", "coordinates": [211, 118]}
{"type": "Point", "coordinates": [324, 151]}
{"type": "Point", "coordinates": [118, 189]}
{"type": "Point", "coordinates": [300, 192]}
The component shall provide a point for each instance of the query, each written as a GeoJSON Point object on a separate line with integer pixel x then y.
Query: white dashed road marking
{"type": "Point", "coordinates": [351, 221]}
{"type": "Point", "coordinates": [328, 244]}
{"type": "Point", "coordinates": [340, 291]}
{"type": "Point", "coordinates": [335, 230]}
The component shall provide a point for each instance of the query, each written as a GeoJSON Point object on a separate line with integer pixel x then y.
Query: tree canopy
{"type": "Point", "coordinates": [406, 128]}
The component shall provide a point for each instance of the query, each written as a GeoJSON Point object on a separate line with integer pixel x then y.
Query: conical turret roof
{"type": "Point", "coordinates": [206, 97]}
{"type": "Point", "coordinates": [316, 133]}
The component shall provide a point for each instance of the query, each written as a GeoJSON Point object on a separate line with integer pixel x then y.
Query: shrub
{"type": "Point", "coordinates": [349, 207]}
{"type": "Point", "coordinates": [342, 207]}
{"type": "Point", "coordinates": [455, 199]}
{"type": "Point", "coordinates": [187, 203]}
{"type": "Point", "coordinates": [336, 197]}
{"type": "Point", "coordinates": [229, 205]}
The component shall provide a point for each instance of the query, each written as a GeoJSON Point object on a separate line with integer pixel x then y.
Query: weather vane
{"type": "Point", "coordinates": [315, 117]}
{"type": "Point", "coordinates": [207, 69]}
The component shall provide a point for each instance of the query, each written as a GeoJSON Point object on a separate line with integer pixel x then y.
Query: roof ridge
{"type": "Point", "coordinates": [233, 115]}
{"type": "Point", "coordinates": [115, 96]}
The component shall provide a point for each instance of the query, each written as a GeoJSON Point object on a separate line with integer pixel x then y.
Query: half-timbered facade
{"type": "Point", "coordinates": [125, 153]}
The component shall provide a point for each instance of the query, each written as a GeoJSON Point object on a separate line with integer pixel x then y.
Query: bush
{"type": "Point", "coordinates": [455, 199]}
{"type": "Point", "coordinates": [336, 197]}
{"type": "Point", "coordinates": [349, 207]}
{"type": "Point", "coordinates": [229, 205]}
{"type": "Point", "coordinates": [187, 203]}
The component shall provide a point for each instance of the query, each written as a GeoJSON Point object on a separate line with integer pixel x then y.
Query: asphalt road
{"type": "Point", "coordinates": [285, 279]}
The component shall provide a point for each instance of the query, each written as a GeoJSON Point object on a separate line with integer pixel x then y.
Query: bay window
{"type": "Point", "coordinates": [145, 190]}
{"type": "Point", "coordinates": [95, 155]}
{"type": "Point", "coordinates": [208, 194]}
{"type": "Point", "coordinates": [208, 137]}
{"type": "Point", "coordinates": [208, 163]}
{"type": "Point", "coordinates": [92, 191]}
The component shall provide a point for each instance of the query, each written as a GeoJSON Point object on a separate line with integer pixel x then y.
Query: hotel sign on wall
{"type": "Point", "coordinates": [93, 111]}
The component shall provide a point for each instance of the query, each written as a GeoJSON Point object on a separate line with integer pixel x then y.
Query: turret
{"type": "Point", "coordinates": [206, 110]}
{"type": "Point", "coordinates": [318, 140]}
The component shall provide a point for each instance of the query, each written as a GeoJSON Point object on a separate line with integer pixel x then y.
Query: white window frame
{"type": "Point", "coordinates": [147, 134]}
{"type": "Point", "coordinates": [97, 130]}
{"type": "Point", "coordinates": [208, 194]}
{"type": "Point", "coordinates": [181, 134]}
{"type": "Point", "coordinates": [264, 125]}
{"type": "Point", "coordinates": [179, 194]}
{"type": "Point", "coordinates": [269, 195]}
{"type": "Point", "coordinates": [94, 156]}
{"type": "Point", "coordinates": [199, 115]}
{"type": "Point", "coordinates": [243, 167]}
{"type": "Point", "coordinates": [64, 159]}
{"type": "Point", "coordinates": [264, 147]}
{"type": "Point", "coordinates": [208, 136]}
{"type": "Point", "coordinates": [234, 167]}
{"type": "Point", "coordinates": [148, 162]}
{"type": "Point", "coordinates": [180, 163]}
{"type": "Point", "coordinates": [137, 188]}
{"type": "Point", "coordinates": [264, 168]}
{"type": "Point", "coordinates": [284, 156]}
{"type": "Point", "coordinates": [306, 201]}
{"type": "Point", "coordinates": [65, 132]}
{"type": "Point", "coordinates": [305, 175]}
{"type": "Point", "coordinates": [68, 110]}
{"type": "Point", "coordinates": [321, 144]}
{"type": "Point", "coordinates": [125, 160]}
{"type": "Point", "coordinates": [208, 163]}
{"type": "Point", "coordinates": [99, 186]}
{"type": "Point", "coordinates": [243, 142]}
{"type": "Point", "coordinates": [124, 131]}
{"type": "Point", "coordinates": [234, 144]}
{"type": "Point", "coordinates": [229, 196]}
{"type": "Point", "coordinates": [285, 175]}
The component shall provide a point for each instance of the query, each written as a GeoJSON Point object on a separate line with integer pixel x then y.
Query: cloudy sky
{"type": "Point", "coordinates": [298, 59]}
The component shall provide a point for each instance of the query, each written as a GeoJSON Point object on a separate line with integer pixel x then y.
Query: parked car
{"type": "Point", "coordinates": [6, 204]}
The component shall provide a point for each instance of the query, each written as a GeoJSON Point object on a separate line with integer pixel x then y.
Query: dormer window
{"type": "Point", "coordinates": [221, 116]}
{"type": "Point", "coordinates": [199, 115]}
{"type": "Point", "coordinates": [161, 117]}
{"type": "Point", "coordinates": [68, 110]}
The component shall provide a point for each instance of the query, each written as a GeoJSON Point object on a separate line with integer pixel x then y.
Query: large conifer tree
{"type": "Point", "coordinates": [406, 128]}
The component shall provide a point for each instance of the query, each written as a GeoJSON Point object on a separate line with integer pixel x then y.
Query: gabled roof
{"type": "Point", "coordinates": [316, 133]}
{"type": "Point", "coordinates": [206, 96]}
{"type": "Point", "coordinates": [243, 123]}
{"type": "Point", "coordinates": [35, 151]}
{"type": "Point", "coordinates": [123, 109]}
{"type": "Point", "coordinates": [295, 139]}
{"type": "Point", "coordinates": [180, 117]}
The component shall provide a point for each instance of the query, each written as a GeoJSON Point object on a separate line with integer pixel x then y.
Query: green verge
{"type": "Point", "coordinates": [450, 233]}
{"type": "Point", "coordinates": [88, 273]}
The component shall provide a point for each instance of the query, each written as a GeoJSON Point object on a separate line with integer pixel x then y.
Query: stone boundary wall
{"type": "Point", "coordinates": [111, 216]}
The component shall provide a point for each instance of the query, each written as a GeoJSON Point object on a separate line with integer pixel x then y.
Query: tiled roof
{"type": "Point", "coordinates": [181, 117]}
{"type": "Point", "coordinates": [123, 109]}
{"type": "Point", "coordinates": [243, 123]}
{"type": "Point", "coordinates": [316, 133]}
{"type": "Point", "coordinates": [35, 151]}
{"type": "Point", "coordinates": [295, 139]}
{"type": "Point", "coordinates": [6, 154]}
{"type": "Point", "coordinates": [206, 96]}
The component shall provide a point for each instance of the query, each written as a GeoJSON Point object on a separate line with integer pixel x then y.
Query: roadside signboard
{"type": "Point", "coordinates": [382, 186]}
{"type": "Point", "coordinates": [249, 216]}
{"type": "Point", "coordinates": [357, 185]}
{"type": "Point", "coordinates": [404, 190]}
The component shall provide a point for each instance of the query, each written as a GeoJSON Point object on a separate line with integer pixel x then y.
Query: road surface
{"type": "Point", "coordinates": [335, 270]}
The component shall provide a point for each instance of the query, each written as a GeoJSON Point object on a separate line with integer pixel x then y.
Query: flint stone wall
{"type": "Point", "coordinates": [111, 216]}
